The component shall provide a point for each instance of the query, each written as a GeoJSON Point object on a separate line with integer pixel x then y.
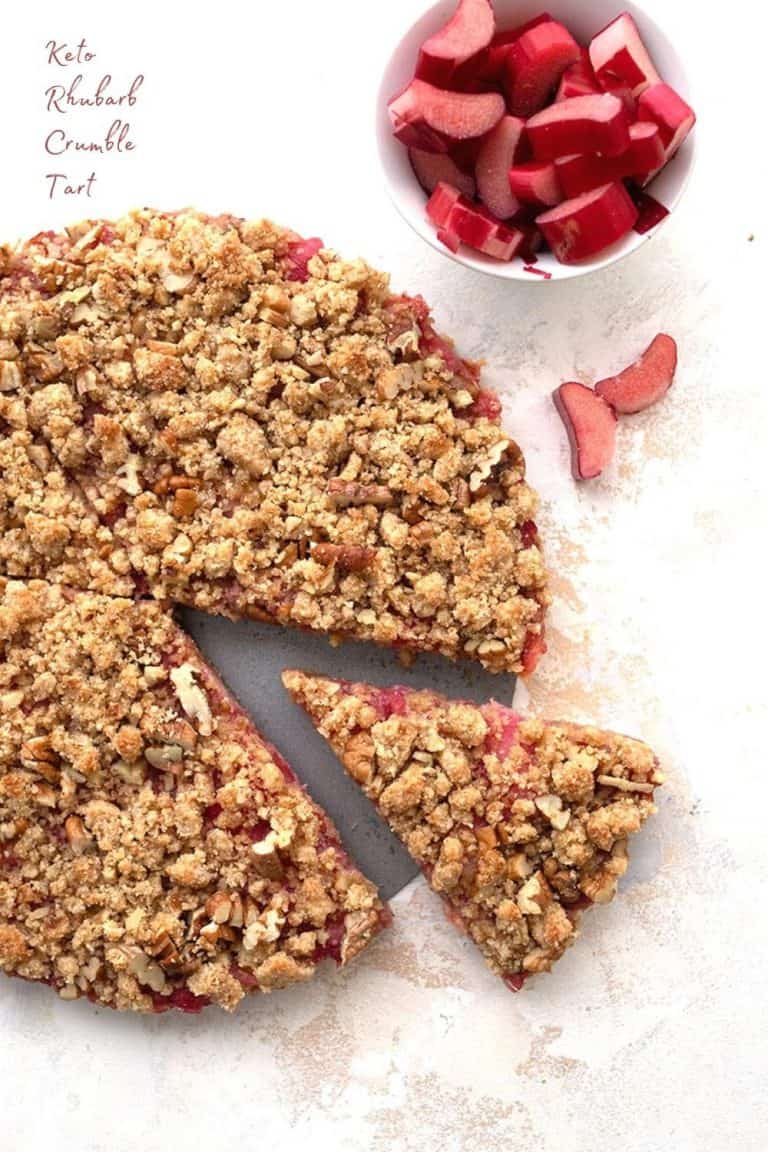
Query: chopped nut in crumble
{"type": "Point", "coordinates": [263, 429]}
{"type": "Point", "coordinates": [155, 852]}
{"type": "Point", "coordinates": [518, 824]}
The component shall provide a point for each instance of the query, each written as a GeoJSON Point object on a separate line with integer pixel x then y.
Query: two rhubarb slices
{"type": "Point", "coordinates": [589, 414]}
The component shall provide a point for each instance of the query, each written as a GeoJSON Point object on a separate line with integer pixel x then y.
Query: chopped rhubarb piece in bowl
{"type": "Point", "coordinates": [644, 155]}
{"type": "Point", "coordinates": [536, 183]}
{"type": "Point", "coordinates": [578, 79]}
{"type": "Point", "coordinates": [469, 30]}
{"type": "Point", "coordinates": [594, 123]}
{"type": "Point", "coordinates": [435, 168]}
{"type": "Point", "coordinates": [457, 218]}
{"type": "Point", "coordinates": [578, 74]}
{"type": "Point", "coordinates": [494, 160]}
{"type": "Point", "coordinates": [579, 228]}
{"type": "Point", "coordinates": [619, 56]}
{"type": "Point", "coordinates": [435, 117]}
{"type": "Point", "coordinates": [534, 65]}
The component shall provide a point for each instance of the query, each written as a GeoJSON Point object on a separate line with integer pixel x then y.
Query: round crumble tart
{"type": "Point", "coordinates": [263, 429]}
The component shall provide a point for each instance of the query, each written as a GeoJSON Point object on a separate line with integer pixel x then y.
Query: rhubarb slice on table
{"type": "Point", "coordinates": [156, 853]}
{"type": "Point", "coordinates": [591, 425]}
{"type": "Point", "coordinates": [216, 455]}
{"type": "Point", "coordinates": [644, 382]}
{"type": "Point", "coordinates": [518, 824]}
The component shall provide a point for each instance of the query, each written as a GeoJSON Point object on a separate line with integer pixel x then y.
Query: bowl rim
{"type": "Point", "coordinates": [514, 270]}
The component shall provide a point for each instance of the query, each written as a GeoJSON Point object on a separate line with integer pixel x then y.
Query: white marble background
{"type": "Point", "coordinates": [650, 1035]}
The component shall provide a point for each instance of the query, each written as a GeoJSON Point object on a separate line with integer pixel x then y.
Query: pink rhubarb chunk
{"type": "Point", "coordinates": [498, 50]}
{"type": "Point", "coordinates": [645, 154]}
{"type": "Point", "coordinates": [591, 426]}
{"type": "Point", "coordinates": [494, 159]}
{"type": "Point", "coordinates": [619, 57]}
{"type": "Point", "coordinates": [479, 230]}
{"type": "Point", "coordinates": [441, 202]}
{"type": "Point", "coordinates": [298, 256]}
{"type": "Point", "coordinates": [434, 168]}
{"type": "Point", "coordinates": [579, 228]}
{"type": "Point", "coordinates": [458, 217]}
{"type": "Point", "coordinates": [469, 30]}
{"type": "Point", "coordinates": [662, 105]}
{"type": "Point", "coordinates": [536, 183]}
{"type": "Point", "coordinates": [428, 118]}
{"type": "Point", "coordinates": [503, 724]}
{"type": "Point", "coordinates": [582, 124]}
{"type": "Point", "coordinates": [645, 381]}
{"type": "Point", "coordinates": [578, 79]}
{"type": "Point", "coordinates": [534, 64]}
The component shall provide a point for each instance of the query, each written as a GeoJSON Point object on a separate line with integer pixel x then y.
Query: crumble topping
{"type": "Point", "coordinates": [518, 824]}
{"type": "Point", "coordinates": [47, 527]}
{"type": "Point", "coordinates": [155, 852]}
{"type": "Point", "coordinates": [265, 430]}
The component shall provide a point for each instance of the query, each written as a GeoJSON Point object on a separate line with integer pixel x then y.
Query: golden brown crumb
{"type": "Point", "coordinates": [518, 824]}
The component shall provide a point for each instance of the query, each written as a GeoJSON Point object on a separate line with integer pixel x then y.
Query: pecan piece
{"type": "Point", "coordinates": [346, 557]}
{"type": "Point", "coordinates": [79, 839]}
{"type": "Point", "coordinates": [38, 756]}
{"type": "Point", "coordinates": [219, 907]}
{"type": "Point", "coordinates": [166, 953]}
{"type": "Point", "coordinates": [11, 378]}
{"type": "Point", "coordinates": [343, 493]}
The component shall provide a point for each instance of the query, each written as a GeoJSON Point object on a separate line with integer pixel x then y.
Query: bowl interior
{"type": "Point", "coordinates": [583, 20]}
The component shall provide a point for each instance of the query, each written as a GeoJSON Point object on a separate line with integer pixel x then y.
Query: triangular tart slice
{"type": "Point", "coordinates": [518, 824]}
{"type": "Point", "coordinates": [155, 851]}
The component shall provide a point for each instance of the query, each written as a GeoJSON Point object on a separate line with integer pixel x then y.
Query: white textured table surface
{"type": "Point", "coordinates": [650, 1034]}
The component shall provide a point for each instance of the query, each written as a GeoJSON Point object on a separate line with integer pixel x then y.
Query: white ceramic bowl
{"type": "Point", "coordinates": [583, 18]}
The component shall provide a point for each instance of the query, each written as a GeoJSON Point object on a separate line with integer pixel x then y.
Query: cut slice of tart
{"type": "Point", "coordinates": [519, 825]}
{"type": "Point", "coordinates": [155, 851]}
{"type": "Point", "coordinates": [270, 432]}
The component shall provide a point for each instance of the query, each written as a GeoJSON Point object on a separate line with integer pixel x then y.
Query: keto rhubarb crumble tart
{"type": "Point", "coordinates": [518, 824]}
{"type": "Point", "coordinates": [266, 430]}
{"type": "Point", "coordinates": [155, 852]}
